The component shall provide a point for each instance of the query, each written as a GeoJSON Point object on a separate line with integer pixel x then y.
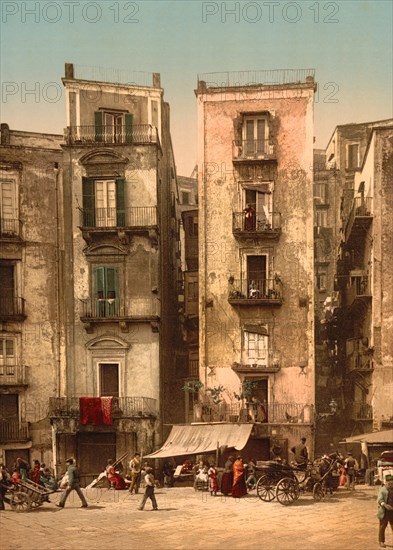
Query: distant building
{"type": "Point", "coordinates": [256, 287]}
{"type": "Point", "coordinates": [31, 284]}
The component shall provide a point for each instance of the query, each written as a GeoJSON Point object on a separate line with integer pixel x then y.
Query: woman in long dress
{"type": "Point", "coordinates": [227, 477]}
{"type": "Point", "coordinates": [239, 488]}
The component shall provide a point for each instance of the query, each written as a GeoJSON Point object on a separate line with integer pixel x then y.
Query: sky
{"type": "Point", "coordinates": [348, 43]}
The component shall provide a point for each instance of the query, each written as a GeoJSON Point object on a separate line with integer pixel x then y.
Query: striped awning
{"type": "Point", "coordinates": [195, 439]}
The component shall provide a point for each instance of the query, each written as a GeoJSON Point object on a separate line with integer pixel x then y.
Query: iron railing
{"type": "Point", "coordinates": [11, 306]}
{"type": "Point", "coordinates": [193, 368]}
{"type": "Point", "coordinates": [361, 208]}
{"type": "Point", "coordinates": [253, 149]}
{"type": "Point", "coordinates": [360, 411]}
{"type": "Point", "coordinates": [140, 134]}
{"type": "Point", "coordinates": [253, 78]}
{"type": "Point", "coordinates": [10, 227]}
{"type": "Point", "coordinates": [13, 430]}
{"type": "Point", "coordinates": [257, 223]}
{"type": "Point", "coordinates": [122, 407]}
{"type": "Point", "coordinates": [359, 287]}
{"type": "Point", "coordinates": [272, 413]}
{"type": "Point", "coordinates": [114, 308]}
{"type": "Point", "coordinates": [255, 289]}
{"type": "Point", "coordinates": [12, 375]}
{"type": "Point", "coordinates": [113, 75]}
{"type": "Point", "coordinates": [112, 218]}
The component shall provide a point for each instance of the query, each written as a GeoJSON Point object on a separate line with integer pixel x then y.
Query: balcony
{"type": "Point", "coordinates": [141, 134]}
{"type": "Point", "coordinates": [193, 368]}
{"type": "Point", "coordinates": [269, 366]}
{"type": "Point", "coordinates": [13, 431]}
{"type": "Point", "coordinates": [253, 150]}
{"type": "Point", "coordinates": [12, 308]}
{"type": "Point", "coordinates": [358, 294]}
{"type": "Point", "coordinates": [273, 413]}
{"type": "Point", "coordinates": [359, 220]}
{"type": "Point", "coordinates": [10, 229]}
{"type": "Point", "coordinates": [136, 219]}
{"type": "Point", "coordinates": [359, 357]}
{"type": "Point", "coordinates": [256, 226]}
{"type": "Point", "coordinates": [122, 407]}
{"type": "Point", "coordinates": [13, 375]}
{"type": "Point", "coordinates": [114, 310]}
{"type": "Point", "coordinates": [360, 411]}
{"type": "Point", "coordinates": [256, 292]}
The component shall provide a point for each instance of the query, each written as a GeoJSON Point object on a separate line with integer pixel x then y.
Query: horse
{"type": "Point", "coordinates": [325, 466]}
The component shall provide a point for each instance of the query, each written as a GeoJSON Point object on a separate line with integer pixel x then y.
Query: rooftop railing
{"type": "Point", "coordinates": [253, 78]}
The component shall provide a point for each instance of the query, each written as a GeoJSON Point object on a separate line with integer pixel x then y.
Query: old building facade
{"type": "Point", "coordinates": [31, 282]}
{"type": "Point", "coordinates": [256, 314]}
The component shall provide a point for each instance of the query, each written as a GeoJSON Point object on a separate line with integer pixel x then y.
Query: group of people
{"type": "Point", "coordinates": [236, 479]}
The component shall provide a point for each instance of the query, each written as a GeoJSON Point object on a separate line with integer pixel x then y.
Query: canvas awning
{"type": "Point", "coordinates": [203, 438]}
{"type": "Point", "coordinates": [384, 436]}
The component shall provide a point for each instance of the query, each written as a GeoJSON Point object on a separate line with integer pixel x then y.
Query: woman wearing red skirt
{"type": "Point", "coordinates": [239, 488]}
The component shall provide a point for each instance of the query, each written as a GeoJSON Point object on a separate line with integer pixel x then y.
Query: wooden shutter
{"type": "Point", "coordinates": [129, 123]}
{"type": "Point", "coordinates": [111, 290]}
{"type": "Point", "coordinates": [99, 125]}
{"type": "Point", "coordinates": [99, 291]}
{"type": "Point", "coordinates": [89, 214]}
{"type": "Point", "coordinates": [120, 202]}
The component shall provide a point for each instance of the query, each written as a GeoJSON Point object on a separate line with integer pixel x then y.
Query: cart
{"type": "Point", "coordinates": [286, 483]}
{"type": "Point", "coordinates": [26, 495]}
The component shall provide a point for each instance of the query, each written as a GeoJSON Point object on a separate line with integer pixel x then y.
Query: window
{"type": "Point", "coordinates": [320, 218]}
{"type": "Point", "coordinates": [185, 197]}
{"type": "Point", "coordinates": [192, 291]}
{"type": "Point", "coordinates": [254, 136]}
{"type": "Point", "coordinates": [109, 379]}
{"type": "Point", "coordinates": [353, 156]}
{"type": "Point", "coordinates": [321, 281]}
{"type": "Point", "coordinates": [106, 294]}
{"type": "Point", "coordinates": [256, 346]}
{"type": "Point", "coordinates": [7, 290]}
{"type": "Point", "coordinates": [9, 407]}
{"type": "Point", "coordinates": [104, 202]}
{"type": "Point", "coordinates": [7, 357]}
{"type": "Point", "coordinates": [192, 226]}
{"type": "Point", "coordinates": [8, 207]}
{"type": "Point", "coordinates": [113, 127]}
{"type": "Point", "coordinates": [320, 193]}
{"type": "Point", "coordinates": [262, 204]}
{"type": "Point", "coordinates": [256, 276]}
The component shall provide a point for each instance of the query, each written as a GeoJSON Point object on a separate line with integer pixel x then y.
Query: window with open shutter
{"type": "Point", "coordinates": [88, 197]}
{"type": "Point", "coordinates": [99, 125]}
{"type": "Point", "coordinates": [120, 202]}
{"type": "Point", "coordinates": [106, 294]}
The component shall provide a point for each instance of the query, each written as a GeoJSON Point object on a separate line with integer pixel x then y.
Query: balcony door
{"type": "Point", "coordinates": [109, 379]}
{"type": "Point", "coordinates": [7, 357]}
{"type": "Point", "coordinates": [261, 203]}
{"type": "Point", "coordinates": [256, 276]}
{"type": "Point", "coordinates": [7, 292]}
{"type": "Point", "coordinates": [254, 135]}
{"type": "Point", "coordinates": [105, 197]}
{"type": "Point", "coordinates": [8, 207]}
{"type": "Point", "coordinates": [106, 291]}
{"type": "Point", "coordinates": [256, 349]}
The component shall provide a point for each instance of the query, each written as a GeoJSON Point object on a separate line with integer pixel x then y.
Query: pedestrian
{"type": "Point", "coordinates": [239, 488]}
{"type": "Point", "coordinates": [301, 454]}
{"type": "Point", "coordinates": [385, 509]}
{"type": "Point", "coordinates": [23, 468]}
{"type": "Point", "coordinates": [227, 477]}
{"type": "Point", "coordinates": [135, 467]}
{"type": "Point", "coordinates": [35, 474]}
{"type": "Point", "coordinates": [213, 479]}
{"type": "Point", "coordinates": [149, 489]}
{"type": "Point", "coordinates": [73, 484]}
{"type": "Point", "coordinates": [251, 480]}
{"type": "Point", "coordinates": [351, 467]}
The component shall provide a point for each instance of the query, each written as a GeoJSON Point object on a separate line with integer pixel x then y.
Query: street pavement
{"type": "Point", "coordinates": [190, 520]}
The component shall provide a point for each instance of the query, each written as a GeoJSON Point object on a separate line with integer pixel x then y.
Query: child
{"type": "Point", "coordinates": [149, 489]}
{"type": "Point", "coordinates": [213, 481]}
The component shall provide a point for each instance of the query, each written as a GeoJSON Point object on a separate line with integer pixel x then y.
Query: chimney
{"type": "Point", "coordinates": [69, 70]}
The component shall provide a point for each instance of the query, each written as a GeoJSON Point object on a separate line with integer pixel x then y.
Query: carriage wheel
{"type": "Point", "coordinates": [265, 488]}
{"type": "Point", "coordinates": [287, 490]}
{"type": "Point", "coordinates": [20, 502]}
{"type": "Point", "coordinates": [36, 502]}
{"type": "Point", "coordinates": [318, 491]}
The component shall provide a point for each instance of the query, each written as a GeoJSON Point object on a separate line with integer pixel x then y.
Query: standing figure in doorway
{"type": "Point", "coordinates": [249, 218]}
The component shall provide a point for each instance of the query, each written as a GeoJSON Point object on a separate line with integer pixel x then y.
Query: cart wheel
{"type": "Point", "coordinates": [318, 491]}
{"type": "Point", "coordinates": [265, 488]}
{"type": "Point", "coordinates": [20, 502]}
{"type": "Point", "coordinates": [287, 490]}
{"type": "Point", "coordinates": [36, 503]}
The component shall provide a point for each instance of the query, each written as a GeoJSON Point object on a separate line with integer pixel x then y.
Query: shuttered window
{"type": "Point", "coordinates": [106, 291]}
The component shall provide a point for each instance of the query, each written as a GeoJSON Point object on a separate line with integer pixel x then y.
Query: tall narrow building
{"type": "Point", "coordinates": [256, 278]}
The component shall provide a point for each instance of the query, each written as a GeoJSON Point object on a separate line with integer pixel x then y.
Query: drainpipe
{"type": "Point", "coordinates": [57, 173]}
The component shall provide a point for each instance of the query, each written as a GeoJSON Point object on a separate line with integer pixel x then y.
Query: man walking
{"type": "Point", "coordinates": [385, 509]}
{"type": "Point", "coordinates": [351, 467]}
{"type": "Point", "coordinates": [72, 485]}
{"type": "Point", "coordinates": [301, 454]}
{"type": "Point", "coordinates": [149, 490]}
{"type": "Point", "coordinates": [135, 467]}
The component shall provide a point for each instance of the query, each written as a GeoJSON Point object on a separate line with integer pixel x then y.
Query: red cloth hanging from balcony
{"type": "Point", "coordinates": [95, 410]}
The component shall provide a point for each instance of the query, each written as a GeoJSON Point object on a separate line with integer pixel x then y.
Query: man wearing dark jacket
{"type": "Point", "coordinates": [73, 484]}
{"type": "Point", "coordinates": [301, 454]}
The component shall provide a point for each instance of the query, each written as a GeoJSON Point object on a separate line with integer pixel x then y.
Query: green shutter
{"type": "Point", "coordinates": [99, 125]}
{"type": "Point", "coordinates": [120, 202]}
{"type": "Point", "coordinates": [89, 213]}
{"type": "Point", "coordinates": [99, 291]}
{"type": "Point", "coordinates": [129, 123]}
{"type": "Point", "coordinates": [112, 291]}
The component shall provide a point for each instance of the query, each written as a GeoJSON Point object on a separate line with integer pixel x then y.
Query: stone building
{"type": "Point", "coordinates": [256, 283]}
{"type": "Point", "coordinates": [31, 290]}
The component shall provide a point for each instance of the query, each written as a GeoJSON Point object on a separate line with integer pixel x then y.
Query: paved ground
{"type": "Point", "coordinates": [192, 520]}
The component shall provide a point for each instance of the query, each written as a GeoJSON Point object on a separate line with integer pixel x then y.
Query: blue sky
{"type": "Point", "coordinates": [349, 43]}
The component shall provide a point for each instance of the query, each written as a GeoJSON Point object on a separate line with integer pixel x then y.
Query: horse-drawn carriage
{"type": "Point", "coordinates": [285, 483]}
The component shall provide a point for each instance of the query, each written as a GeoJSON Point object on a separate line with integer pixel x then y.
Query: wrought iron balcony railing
{"type": "Point", "coordinates": [11, 307]}
{"type": "Point", "coordinates": [10, 228]}
{"type": "Point", "coordinates": [140, 134]}
{"type": "Point", "coordinates": [359, 357]}
{"type": "Point", "coordinates": [360, 217]}
{"type": "Point", "coordinates": [13, 430]}
{"type": "Point", "coordinates": [256, 224]}
{"type": "Point", "coordinates": [360, 411]}
{"type": "Point", "coordinates": [13, 375]}
{"type": "Point", "coordinates": [359, 289]}
{"type": "Point", "coordinates": [272, 413]}
{"type": "Point", "coordinates": [114, 308]}
{"type": "Point", "coordinates": [122, 407]}
{"type": "Point", "coordinates": [105, 219]}
{"type": "Point", "coordinates": [256, 290]}
{"type": "Point", "coordinates": [254, 149]}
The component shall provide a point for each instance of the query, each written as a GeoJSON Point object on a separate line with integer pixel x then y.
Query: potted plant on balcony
{"type": "Point", "coordinates": [193, 386]}
{"type": "Point", "coordinates": [245, 397]}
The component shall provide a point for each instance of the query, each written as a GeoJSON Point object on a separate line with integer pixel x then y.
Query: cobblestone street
{"type": "Point", "coordinates": [191, 520]}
